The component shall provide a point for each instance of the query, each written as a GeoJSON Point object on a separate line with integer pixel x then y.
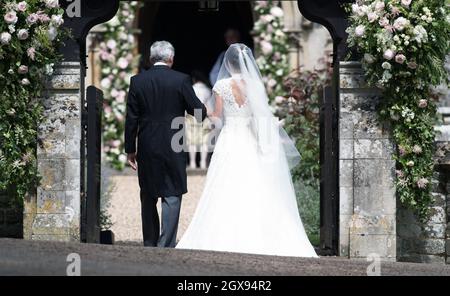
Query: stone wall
{"type": "Point", "coordinates": [54, 213]}
{"type": "Point", "coordinates": [367, 211]}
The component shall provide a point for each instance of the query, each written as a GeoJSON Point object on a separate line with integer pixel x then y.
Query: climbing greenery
{"type": "Point", "coordinates": [30, 35]}
{"type": "Point", "coordinates": [118, 60]}
{"type": "Point", "coordinates": [271, 46]}
{"type": "Point", "coordinates": [403, 44]}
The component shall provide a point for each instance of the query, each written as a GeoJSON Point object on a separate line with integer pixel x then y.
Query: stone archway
{"type": "Point", "coordinates": [64, 176]}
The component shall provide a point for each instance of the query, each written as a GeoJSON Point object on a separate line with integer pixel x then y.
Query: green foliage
{"type": "Point", "coordinates": [271, 46]}
{"type": "Point", "coordinates": [30, 37]}
{"type": "Point", "coordinates": [117, 60]}
{"type": "Point", "coordinates": [404, 44]}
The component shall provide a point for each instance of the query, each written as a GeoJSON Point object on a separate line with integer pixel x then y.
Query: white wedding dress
{"type": "Point", "coordinates": [248, 204]}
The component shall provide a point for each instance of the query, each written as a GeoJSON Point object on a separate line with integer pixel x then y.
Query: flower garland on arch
{"type": "Point", "coordinates": [271, 46]}
{"type": "Point", "coordinates": [30, 36]}
{"type": "Point", "coordinates": [117, 63]}
{"type": "Point", "coordinates": [403, 44]}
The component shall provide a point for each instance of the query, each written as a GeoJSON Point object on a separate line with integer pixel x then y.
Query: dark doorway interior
{"type": "Point", "coordinates": [198, 36]}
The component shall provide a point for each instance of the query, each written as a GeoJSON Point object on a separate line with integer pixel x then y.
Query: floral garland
{"type": "Point", "coordinates": [271, 46]}
{"type": "Point", "coordinates": [30, 35]}
{"type": "Point", "coordinates": [403, 44]}
{"type": "Point", "coordinates": [117, 62]}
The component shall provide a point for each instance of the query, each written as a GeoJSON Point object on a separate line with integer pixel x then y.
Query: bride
{"type": "Point", "coordinates": [248, 204]}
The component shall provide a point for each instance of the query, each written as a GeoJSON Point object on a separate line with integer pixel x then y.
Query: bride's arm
{"type": "Point", "coordinates": [218, 107]}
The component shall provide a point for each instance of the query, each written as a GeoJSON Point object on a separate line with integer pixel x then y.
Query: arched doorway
{"type": "Point", "coordinates": [198, 36]}
{"type": "Point", "coordinates": [331, 15]}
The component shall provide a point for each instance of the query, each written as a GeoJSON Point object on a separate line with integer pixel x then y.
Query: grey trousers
{"type": "Point", "coordinates": [154, 235]}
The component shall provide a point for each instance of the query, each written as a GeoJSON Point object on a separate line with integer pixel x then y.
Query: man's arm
{"type": "Point", "coordinates": [193, 104]}
{"type": "Point", "coordinates": [131, 125]}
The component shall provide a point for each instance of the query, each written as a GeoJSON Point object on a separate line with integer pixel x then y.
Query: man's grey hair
{"type": "Point", "coordinates": [161, 51]}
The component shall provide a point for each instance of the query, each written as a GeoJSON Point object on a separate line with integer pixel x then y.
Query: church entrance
{"type": "Point", "coordinates": [198, 38]}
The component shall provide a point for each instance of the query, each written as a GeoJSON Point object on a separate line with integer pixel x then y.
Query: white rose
{"type": "Point", "coordinates": [23, 34]}
{"type": "Point", "coordinates": [369, 58]}
{"type": "Point", "coordinates": [5, 38]}
{"type": "Point", "coordinates": [105, 83]}
{"type": "Point", "coordinates": [401, 23]}
{"type": "Point", "coordinates": [386, 66]}
{"type": "Point", "coordinates": [372, 16]}
{"type": "Point", "coordinates": [379, 5]}
{"type": "Point", "coordinates": [57, 20]}
{"type": "Point", "coordinates": [25, 81]}
{"type": "Point", "coordinates": [360, 30]}
{"type": "Point", "coordinates": [406, 3]}
{"type": "Point", "coordinates": [52, 3]}
{"type": "Point", "coordinates": [123, 158]}
{"type": "Point", "coordinates": [276, 11]}
{"type": "Point", "coordinates": [389, 54]}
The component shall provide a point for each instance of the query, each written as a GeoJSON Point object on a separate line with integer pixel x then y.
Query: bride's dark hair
{"type": "Point", "coordinates": [232, 57]}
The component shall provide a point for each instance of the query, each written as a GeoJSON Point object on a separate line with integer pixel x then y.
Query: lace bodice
{"type": "Point", "coordinates": [230, 107]}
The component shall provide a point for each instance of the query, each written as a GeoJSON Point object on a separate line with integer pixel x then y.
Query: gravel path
{"type": "Point", "coordinates": [125, 205]}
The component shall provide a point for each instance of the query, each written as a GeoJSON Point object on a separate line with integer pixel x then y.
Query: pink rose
{"type": "Point", "coordinates": [43, 17]}
{"type": "Point", "coordinates": [23, 69]}
{"type": "Point", "coordinates": [400, 58]}
{"type": "Point", "coordinates": [23, 34]}
{"type": "Point", "coordinates": [422, 103]}
{"type": "Point", "coordinates": [372, 16]}
{"type": "Point", "coordinates": [111, 44]}
{"type": "Point", "coordinates": [22, 6]}
{"type": "Point", "coordinates": [389, 54]}
{"type": "Point", "coordinates": [122, 63]}
{"type": "Point", "coordinates": [383, 22]}
{"type": "Point", "coordinates": [400, 23]}
{"type": "Point", "coordinates": [32, 18]}
{"type": "Point", "coordinates": [266, 47]}
{"type": "Point", "coordinates": [11, 17]}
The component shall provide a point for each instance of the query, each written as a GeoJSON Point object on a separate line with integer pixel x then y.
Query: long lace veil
{"type": "Point", "coordinates": [273, 141]}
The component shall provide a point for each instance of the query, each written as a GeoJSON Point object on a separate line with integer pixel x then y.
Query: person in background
{"type": "Point", "coordinates": [197, 133]}
{"type": "Point", "coordinates": [231, 36]}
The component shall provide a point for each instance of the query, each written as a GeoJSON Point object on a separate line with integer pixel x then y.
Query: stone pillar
{"type": "Point", "coordinates": [54, 214]}
{"type": "Point", "coordinates": [367, 209]}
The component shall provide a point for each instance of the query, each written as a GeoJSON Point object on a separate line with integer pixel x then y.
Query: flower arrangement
{"type": "Point", "coordinates": [403, 44]}
{"type": "Point", "coordinates": [271, 46]}
{"type": "Point", "coordinates": [30, 34]}
{"type": "Point", "coordinates": [117, 62]}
